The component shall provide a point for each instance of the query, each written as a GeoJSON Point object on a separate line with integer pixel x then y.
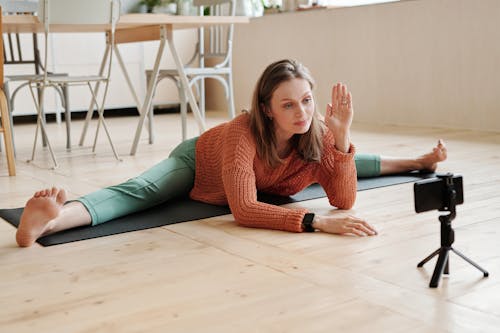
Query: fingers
{"type": "Point", "coordinates": [335, 95]}
{"type": "Point", "coordinates": [360, 227]}
{"type": "Point", "coordinates": [345, 225]}
{"type": "Point", "coordinates": [341, 97]}
{"type": "Point", "coordinates": [355, 231]}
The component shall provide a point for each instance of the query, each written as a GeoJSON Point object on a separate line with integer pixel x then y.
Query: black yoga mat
{"type": "Point", "coordinates": [185, 209]}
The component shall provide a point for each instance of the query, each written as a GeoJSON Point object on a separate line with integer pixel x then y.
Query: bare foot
{"type": "Point", "coordinates": [42, 208]}
{"type": "Point", "coordinates": [429, 161]}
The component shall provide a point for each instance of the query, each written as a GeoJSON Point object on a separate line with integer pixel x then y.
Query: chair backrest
{"type": "Point", "coordinates": [13, 44]}
{"type": "Point", "coordinates": [78, 11]}
{"type": "Point", "coordinates": [216, 41]}
{"type": "Point", "coordinates": [19, 6]}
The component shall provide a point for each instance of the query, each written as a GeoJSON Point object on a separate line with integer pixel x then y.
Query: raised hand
{"type": "Point", "coordinates": [338, 116]}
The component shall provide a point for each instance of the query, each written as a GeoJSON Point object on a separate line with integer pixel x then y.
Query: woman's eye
{"type": "Point", "coordinates": [288, 106]}
{"type": "Point", "coordinates": [308, 100]}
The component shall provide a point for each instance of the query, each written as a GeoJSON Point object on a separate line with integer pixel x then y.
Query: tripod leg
{"type": "Point", "coordinates": [432, 255]}
{"type": "Point", "coordinates": [447, 266]}
{"type": "Point", "coordinates": [438, 270]}
{"type": "Point", "coordinates": [485, 273]}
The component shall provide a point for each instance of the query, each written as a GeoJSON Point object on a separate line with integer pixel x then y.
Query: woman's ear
{"type": "Point", "coordinates": [262, 107]}
{"type": "Point", "coordinates": [266, 111]}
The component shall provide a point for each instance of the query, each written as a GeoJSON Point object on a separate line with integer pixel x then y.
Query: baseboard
{"type": "Point", "coordinates": [108, 113]}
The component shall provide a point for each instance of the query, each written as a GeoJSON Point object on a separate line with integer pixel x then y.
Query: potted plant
{"type": "Point", "coordinates": [150, 4]}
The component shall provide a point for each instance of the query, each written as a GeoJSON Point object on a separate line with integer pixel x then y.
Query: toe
{"type": "Point", "coordinates": [61, 196]}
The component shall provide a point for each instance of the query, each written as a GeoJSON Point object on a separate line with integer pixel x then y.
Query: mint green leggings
{"type": "Point", "coordinates": [172, 177]}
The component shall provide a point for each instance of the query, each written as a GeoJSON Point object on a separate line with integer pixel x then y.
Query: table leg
{"type": "Point", "coordinates": [184, 81]}
{"type": "Point", "coordinates": [131, 87]}
{"type": "Point", "coordinates": [149, 93]}
{"type": "Point", "coordinates": [127, 77]}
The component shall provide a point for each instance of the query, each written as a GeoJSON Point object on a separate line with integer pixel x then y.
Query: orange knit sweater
{"type": "Point", "coordinates": [228, 171]}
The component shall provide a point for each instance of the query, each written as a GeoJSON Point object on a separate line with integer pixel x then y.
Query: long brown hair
{"type": "Point", "coordinates": [308, 145]}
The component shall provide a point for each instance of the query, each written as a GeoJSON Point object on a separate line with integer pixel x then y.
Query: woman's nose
{"type": "Point", "coordinates": [300, 110]}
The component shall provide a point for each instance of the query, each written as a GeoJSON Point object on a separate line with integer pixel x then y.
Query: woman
{"type": "Point", "coordinates": [280, 147]}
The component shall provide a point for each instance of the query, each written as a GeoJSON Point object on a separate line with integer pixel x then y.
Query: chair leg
{"type": "Point", "coordinates": [39, 94]}
{"type": "Point", "coordinates": [7, 130]}
{"type": "Point", "coordinates": [93, 102]}
{"type": "Point", "coordinates": [199, 86]}
{"type": "Point", "coordinates": [41, 125]}
{"type": "Point", "coordinates": [230, 101]}
{"type": "Point", "coordinates": [150, 125]}
{"type": "Point", "coordinates": [11, 111]}
{"type": "Point", "coordinates": [67, 115]}
{"type": "Point", "coordinates": [101, 117]}
{"type": "Point", "coordinates": [183, 105]}
{"type": "Point", "coordinates": [201, 102]}
{"type": "Point", "coordinates": [90, 113]}
{"type": "Point", "coordinates": [151, 110]}
{"type": "Point", "coordinates": [100, 110]}
{"type": "Point", "coordinates": [7, 94]}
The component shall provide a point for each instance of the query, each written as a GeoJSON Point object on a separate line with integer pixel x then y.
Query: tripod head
{"type": "Point", "coordinates": [449, 197]}
{"type": "Point", "coordinates": [442, 193]}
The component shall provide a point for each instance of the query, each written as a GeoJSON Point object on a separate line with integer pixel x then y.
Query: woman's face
{"type": "Point", "coordinates": [292, 108]}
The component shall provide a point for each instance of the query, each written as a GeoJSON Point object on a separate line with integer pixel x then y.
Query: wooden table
{"type": "Point", "coordinates": [135, 28]}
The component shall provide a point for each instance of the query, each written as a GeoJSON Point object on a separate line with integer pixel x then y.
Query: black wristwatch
{"type": "Point", "coordinates": [307, 223]}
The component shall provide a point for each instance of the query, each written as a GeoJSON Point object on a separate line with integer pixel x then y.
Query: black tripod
{"type": "Point", "coordinates": [447, 237]}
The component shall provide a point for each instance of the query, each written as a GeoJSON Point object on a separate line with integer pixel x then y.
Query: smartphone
{"type": "Point", "coordinates": [432, 194]}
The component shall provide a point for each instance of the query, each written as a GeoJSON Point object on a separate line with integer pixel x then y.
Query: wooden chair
{"type": "Point", "coordinates": [5, 120]}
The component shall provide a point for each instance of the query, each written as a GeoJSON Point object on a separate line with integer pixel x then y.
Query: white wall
{"type": "Point", "coordinates": [420, 62]}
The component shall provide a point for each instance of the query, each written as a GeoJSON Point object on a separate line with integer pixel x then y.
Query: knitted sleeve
{"type": "Point", "coordinates": [337, 176]}
{"type": "Point", "coordinates": [240, 188]}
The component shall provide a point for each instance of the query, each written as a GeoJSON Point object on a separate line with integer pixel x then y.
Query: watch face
{"type": "Point", "coordinates": [307, 223]}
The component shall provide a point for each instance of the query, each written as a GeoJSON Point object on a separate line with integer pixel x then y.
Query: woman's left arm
{"type": "Point", "coordinates": [337, 174]}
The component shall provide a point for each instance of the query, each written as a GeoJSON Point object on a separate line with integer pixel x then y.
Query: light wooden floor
{"type": "Point", "coordinates": [213, 276]}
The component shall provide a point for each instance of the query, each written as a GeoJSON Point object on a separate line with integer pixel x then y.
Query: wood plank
{"type": "Point", "coordinates": [29, 23]}
{"type": "Point", "coordinates": [141, 34]}
{"type": "Point", "coordinates": [214, 275]}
